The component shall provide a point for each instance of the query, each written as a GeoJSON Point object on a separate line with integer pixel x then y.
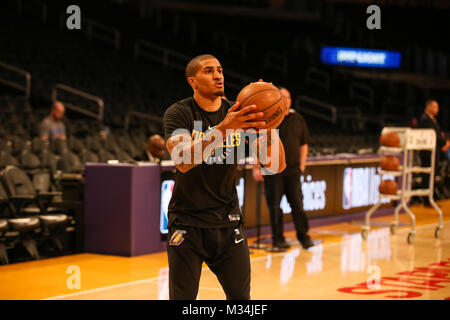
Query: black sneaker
{"type": "Point", "coordinates": [276, 248]}
{"type": "Point", "coordinates": [307, 243]}
{"type": "Point", "coordinates": [284, 245]}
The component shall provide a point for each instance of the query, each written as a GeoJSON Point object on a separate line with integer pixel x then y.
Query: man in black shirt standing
{"type": "Point", "coordinates": [428, 120]}
{"type": "Point", "coordinates": [294, 134]}
{"type": "Point", "coordinates": [203, 135]}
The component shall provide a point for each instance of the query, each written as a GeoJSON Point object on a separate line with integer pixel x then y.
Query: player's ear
{"type": "Point", "coordinates": [193, 82]}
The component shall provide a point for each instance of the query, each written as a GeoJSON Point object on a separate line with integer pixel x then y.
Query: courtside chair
{"type": "Point", "coordinates": [26, 201]}
{"type": "Point", "coordinates": [19, 229]}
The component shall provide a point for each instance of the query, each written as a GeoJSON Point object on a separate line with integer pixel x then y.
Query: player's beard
{"type": "Point", "coordinates": [219, 93]}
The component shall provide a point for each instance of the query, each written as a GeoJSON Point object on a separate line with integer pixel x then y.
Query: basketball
{"type": "Point", "coordinates": [267, 98]}
{"type": "Point", "coordinates": [388, 187]}
{"type": "Point", "coordinates": [390, 139]}
{"type": "Point", "coordinates": [389, 163]}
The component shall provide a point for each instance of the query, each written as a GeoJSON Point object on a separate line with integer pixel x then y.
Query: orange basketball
{"type": "Point", "coordinates": [388, 187]}
{"type": "Point", "coordinates": [389, 163]}
{"type": "Point", "coordinates": [267, 98]}
{"type": "Point", "coordinates": [390, 139]}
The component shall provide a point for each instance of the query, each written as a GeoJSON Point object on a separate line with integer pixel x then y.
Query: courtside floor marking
{"type": "Point", "coordinates": [274, 255]}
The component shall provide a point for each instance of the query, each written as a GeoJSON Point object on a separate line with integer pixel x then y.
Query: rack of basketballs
{"type": "Point", "coordinates": [396, 142]}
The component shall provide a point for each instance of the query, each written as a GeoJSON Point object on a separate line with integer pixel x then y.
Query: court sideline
{"type": "Point", "coordinates": [341, 267]}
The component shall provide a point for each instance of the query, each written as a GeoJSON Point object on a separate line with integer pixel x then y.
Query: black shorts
{"type": "Point", "coordinates": [225, 251]}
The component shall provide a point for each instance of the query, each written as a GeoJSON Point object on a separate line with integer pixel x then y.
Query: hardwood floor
{"type": "Point", "coordinates": [341, 266]}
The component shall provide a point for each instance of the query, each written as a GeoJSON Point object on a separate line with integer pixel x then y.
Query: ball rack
{"type": "Point", "coordinates": [410, 140]}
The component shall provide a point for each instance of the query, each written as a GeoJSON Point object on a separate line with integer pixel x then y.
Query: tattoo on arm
{"type": "Point", "coordinates": [188, 153]}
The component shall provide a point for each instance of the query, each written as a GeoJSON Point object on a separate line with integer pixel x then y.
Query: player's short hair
{"type": "Point", "coordinates": [193, 65]}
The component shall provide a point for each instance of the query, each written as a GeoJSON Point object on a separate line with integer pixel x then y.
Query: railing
{"type": "Point", "coordinates": [442, 4]}
{"type": "Point", "coordinates": [36, 8]}
{"type": "Point", "coordinates": [327, 111]}
{"type": "Point", "coordinates": [236, 80]}
{"type": "Point", "coordinates": [160, 54]}
{"type": "Point", "coordinates": [176, 60]}
{"type": "Point", "coordinates": [234, 10]}
{"type": "Point", "coordinates": [362, 92]}
{"type": "Point", "coordinates": [82, 94]}
{"type": "Point", "coordinates": [276, 61]}
{"type": "Point", "coordinates": [96, 30]}
{"type": "Point", "coordinates": [140, 115]}
{"type": "Point", "coordinates": [351, 116]}
{"type": "Point", "coordinates": [231, 44]}
{"type": "Point", "coordinates": [25, 88]}
{"type": "Point", "coordinates": [318, 78]}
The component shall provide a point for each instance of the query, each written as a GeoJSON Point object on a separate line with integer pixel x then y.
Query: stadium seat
{"type": "Point", "coordinates": [19, 229]}
{"type": "Point", "coordinates": [68, 161]}
{"type": "Point", "coordinates": [25, 200]}
{"type": "Point", "coordinates": [48, 159]}
{"type": "Point", "coordinates": [93, 144]}
{"type": "Point", "coordinates": [77, 146]}
{"type": "Point", "coordinates": [7, 159]}
{"type": "Point", "coordinates": [3, 229]}
{"type": "Point", "coordinates": [127, 145]}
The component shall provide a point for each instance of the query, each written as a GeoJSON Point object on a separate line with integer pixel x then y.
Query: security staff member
{"type": "Point", "coordinates": [294, 135]}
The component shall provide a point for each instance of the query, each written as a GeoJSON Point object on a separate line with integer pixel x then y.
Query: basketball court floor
{"type": "Point", "coordinates": [340, 266]}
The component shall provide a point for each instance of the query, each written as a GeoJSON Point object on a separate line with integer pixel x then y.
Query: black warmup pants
{"type": "Point", "coordinates": [225, 251]}
{"type": "Point", "coordinates": [288, 183]}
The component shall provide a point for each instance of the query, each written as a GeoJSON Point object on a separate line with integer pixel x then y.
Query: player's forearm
{"type": "Point", "coordinates": [270, 152]}
{"type": "Point", "coordinates": [280, 163]}
{"type": "Point", "coordinates": [303, 155]}
{"type": "Point", "coordinates": [189, 154]}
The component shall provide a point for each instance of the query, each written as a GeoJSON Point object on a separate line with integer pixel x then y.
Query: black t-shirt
{"type": "Point", "coordinates": [293, 134]}
{"type": "Point", "coordinates": [205, 196]}
{"type": "Point", "coordinates": [426, 122]}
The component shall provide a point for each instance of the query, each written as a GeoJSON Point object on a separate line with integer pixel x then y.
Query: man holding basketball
{"type": "Point", "coordinates": [205, 224]}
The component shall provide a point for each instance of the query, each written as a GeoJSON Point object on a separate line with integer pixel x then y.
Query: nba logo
{"type": "Point", "coordinates": [347, 192]}
{"type": "Point", "coordinates": [166, 195]}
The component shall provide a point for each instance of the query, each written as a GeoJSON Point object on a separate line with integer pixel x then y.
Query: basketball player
{"type": "Point", "coordinates": [204, 217]}
{"type": "Point", "coordinates": [294, 134]}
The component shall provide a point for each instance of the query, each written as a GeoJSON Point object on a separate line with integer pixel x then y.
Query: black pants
{"type": "Point", "coordinates": [426, 162]}
{"type": "Point", "coordinates": [225, 251]}
{"type": "Point", "coordinates": [288, 183]}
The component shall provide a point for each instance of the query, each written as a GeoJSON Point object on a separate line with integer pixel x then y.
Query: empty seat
{"type": "Point", "coordinates": [93, 144]}
{"type": "Point", "coordinates": [3, 229]}
{"type": "Point", "coordinates": [25, 200]}
{"type": "Point", "coordinates": [7, 159]}
{"type": "Point", "coordinates": [16, 229]}
{"type": "Point", "coordinates": [68, 161]}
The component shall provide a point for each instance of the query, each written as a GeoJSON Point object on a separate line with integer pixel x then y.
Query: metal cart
{"type": "Point", "coordinates": [410, 141]}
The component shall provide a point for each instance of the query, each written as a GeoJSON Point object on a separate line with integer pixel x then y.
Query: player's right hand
{"type": "Point", "coordinates": [256, 172]}
{"type": "Point", "coordinates": [243, 118]}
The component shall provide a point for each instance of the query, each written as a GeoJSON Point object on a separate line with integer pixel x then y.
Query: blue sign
{"type": "Point", "coordinates": [360, 57]}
